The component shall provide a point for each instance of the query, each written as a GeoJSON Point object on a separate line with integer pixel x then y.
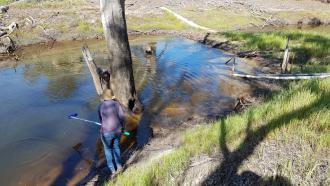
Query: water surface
{"type": "Point", "coordinates": [183, 80]}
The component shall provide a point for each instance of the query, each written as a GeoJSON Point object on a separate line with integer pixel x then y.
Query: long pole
{"type": "Point", "coordinates": [75, 116]}
{"type": "Point", "coordinates": [85, 120]}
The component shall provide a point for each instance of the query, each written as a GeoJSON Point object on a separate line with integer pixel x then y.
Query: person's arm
{"type": "Point", "coordinates": [99, 113]}
{"type": "Point", "coordinates": [100, 116]}
{"type": "Point", "coordinates": [121, 114]}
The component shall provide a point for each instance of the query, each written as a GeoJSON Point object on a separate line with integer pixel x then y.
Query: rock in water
{"type": "Point", "coordinates": [148, 49]}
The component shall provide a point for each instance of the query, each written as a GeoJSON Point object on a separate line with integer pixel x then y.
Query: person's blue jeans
{"type": "Point", "coordinates": [112, 150]}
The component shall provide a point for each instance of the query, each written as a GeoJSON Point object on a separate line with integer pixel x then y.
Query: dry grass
{"type": "Point", "coordinates": [150, 22]}
{"type": "Point", "coordinates": [220, 19]}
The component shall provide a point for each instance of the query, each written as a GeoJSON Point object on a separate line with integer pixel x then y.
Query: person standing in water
{"type": "Point", "coordinates": [112, 119]}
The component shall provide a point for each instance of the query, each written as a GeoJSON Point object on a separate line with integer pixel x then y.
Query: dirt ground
{"type": "Point", "coordinates": [80, 19]}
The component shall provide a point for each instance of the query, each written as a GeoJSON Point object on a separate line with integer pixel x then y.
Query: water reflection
{"type": "Point", "coordinates": [63, 74]}
{"type": "Point", "coordinates": [180, 81]}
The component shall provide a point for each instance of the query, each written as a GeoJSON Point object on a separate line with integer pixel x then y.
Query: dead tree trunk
{"type": "Point", "coordinates": [121, 71]}
{"type": "Point", "coordinates": [285, 64]}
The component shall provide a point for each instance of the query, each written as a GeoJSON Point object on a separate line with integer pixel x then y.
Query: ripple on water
{"type": "Point", "coordinates": [27, 151]}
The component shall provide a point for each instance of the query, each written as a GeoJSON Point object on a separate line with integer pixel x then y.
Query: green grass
{"type": "Point", "coordinates": [301, 111]}
{"type": "Point", "coordinates": [161, 171]}
{"type": "Point", "coordinates": [310, 50]}
{"type": "Point", "coordinates": [83, 26]}
{"type": "Point", "coordinates": [5, 2]}
{"type": "Point", "coordinates": [298, 115]}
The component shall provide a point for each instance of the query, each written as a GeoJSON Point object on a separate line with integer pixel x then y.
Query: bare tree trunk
{"type": "Point", "coordinates": [285, 63]}
{"type": "Point", "coordinates": [121, 71]}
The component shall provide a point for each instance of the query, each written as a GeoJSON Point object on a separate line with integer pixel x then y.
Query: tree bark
{"type": "Point", "coordinates": [121, 71]}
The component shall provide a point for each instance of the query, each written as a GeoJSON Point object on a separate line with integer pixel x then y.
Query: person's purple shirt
{"type": "Point", "coordinates": [112, 117]}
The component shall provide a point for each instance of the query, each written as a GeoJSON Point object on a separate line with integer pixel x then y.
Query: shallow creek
{"type": "Point", "coordinates": [183, 81]}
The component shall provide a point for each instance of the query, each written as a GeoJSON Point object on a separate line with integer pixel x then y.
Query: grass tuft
{"type": "Point", "coordinates": [83, 26]}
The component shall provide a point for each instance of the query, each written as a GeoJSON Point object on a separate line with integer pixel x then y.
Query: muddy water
{"type": "Point", "coordinates": [184, 80]}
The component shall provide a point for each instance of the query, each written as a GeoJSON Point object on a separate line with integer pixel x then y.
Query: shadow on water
{"type": "Point", "coordinates": [69, 166]}
{"type": "Point", "coordinates": [227, 173]}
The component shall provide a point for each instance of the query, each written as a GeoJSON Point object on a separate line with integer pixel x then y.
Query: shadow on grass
{"type": "Point", "coordinates": [227, 173]}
